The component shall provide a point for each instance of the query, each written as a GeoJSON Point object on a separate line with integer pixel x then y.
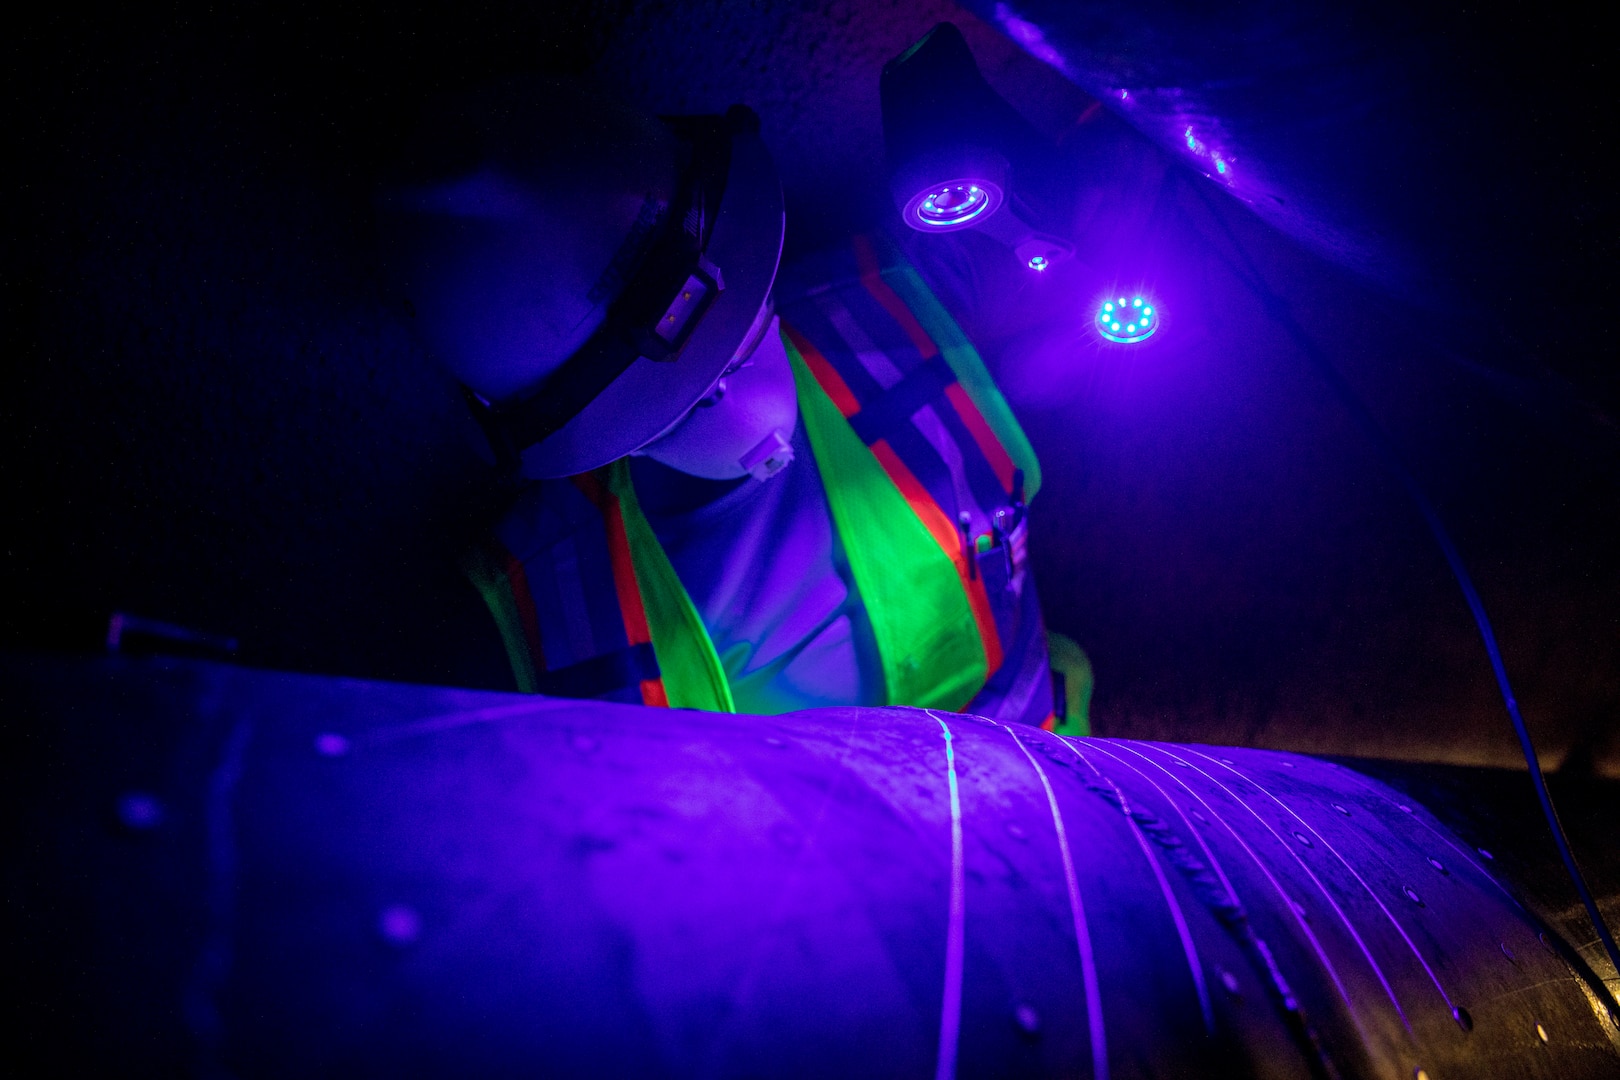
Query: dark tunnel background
{"type": "Point", "coordinates": [216, 416]}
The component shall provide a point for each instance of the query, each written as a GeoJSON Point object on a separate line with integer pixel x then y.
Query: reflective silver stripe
{"type": "Point", "coordinates": [870, 357]}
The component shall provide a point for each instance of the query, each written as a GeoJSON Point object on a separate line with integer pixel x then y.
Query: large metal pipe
{"type": "Point", "coordinates": [229, 872]}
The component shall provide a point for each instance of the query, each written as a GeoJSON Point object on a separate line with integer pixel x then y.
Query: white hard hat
{"type": "Point", "coordinates": [588, 273]}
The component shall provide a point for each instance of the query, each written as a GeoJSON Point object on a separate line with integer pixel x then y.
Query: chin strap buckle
{"type": "Point", "coordinates": [767, 459]}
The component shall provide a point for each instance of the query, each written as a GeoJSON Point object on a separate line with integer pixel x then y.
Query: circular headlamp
{"type": "Point", "coordinates": [948, 205]}
{"type": "Point", "coordinates": [952, 205]}
{"type": "Point", "coordinates": [1127, 319]}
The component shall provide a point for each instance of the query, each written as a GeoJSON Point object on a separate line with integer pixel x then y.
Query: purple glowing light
{"type": "Point", "coordinates": [952, 204]}
{"type": "Point", "coordinates": [330, 744]}
{"type": "Point", "coordinates": [1031, 37]}
{"type": "Point", "coordinates": [399, 925]}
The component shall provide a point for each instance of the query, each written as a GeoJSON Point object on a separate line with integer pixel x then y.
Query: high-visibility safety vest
{"type": "Point", "coordinates": [926, 474]}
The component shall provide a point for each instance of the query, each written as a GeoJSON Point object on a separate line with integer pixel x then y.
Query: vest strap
{"type": "Point", "coordinates": [652, 597]}
{"type": "Point", "coordinates": [498, 576]}
{"type": "Point", "coordinates": [893, 409]}
{"type": "Point", "coordinates": [632, 608]}
{"type": "Point", "coordinates": [914, 391]}
{"type": "Point", "coordinates": [985, 413]}
{"type": "Point", "coordinates": [928, 636]}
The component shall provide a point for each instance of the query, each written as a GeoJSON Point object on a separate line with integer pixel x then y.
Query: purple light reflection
{"type": "Point", "coordinates": [1031, 37]}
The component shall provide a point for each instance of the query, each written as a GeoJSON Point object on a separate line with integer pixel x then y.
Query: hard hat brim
{"type": "Point", "coordinates": [638, 406]}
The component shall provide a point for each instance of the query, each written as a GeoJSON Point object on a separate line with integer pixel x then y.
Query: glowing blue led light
{"type": "Point", "coordinates": [1139, 327]}
{"type": "Point", "coordinates": [952, 205]}
{"type": "Point", "coordinates": [1038, 263]}
{"type": "Point", "coordinates": [1220, 166]}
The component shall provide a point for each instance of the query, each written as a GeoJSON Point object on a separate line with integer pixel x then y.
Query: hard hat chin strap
{"type": "Point", "coordinates": [657, 311]}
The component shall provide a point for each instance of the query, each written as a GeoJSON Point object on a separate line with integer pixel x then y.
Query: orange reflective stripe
{"type": "Point", "coordinates": [652, 693]}
{"type": "Point", "coordinates": [945, 534]}
{"type": "Point", "coordinates": [631, 608]}
{"type": "Point", "coordinates": [979, 601]}
{"type": "Point", "coordinates": [979, 428]}
{"type": "Point", "coordinates": [934, 519]}
{"type": "Point", "coordinates": [832, 383]}
{"type": "Point", "coordinates": [872, 277]}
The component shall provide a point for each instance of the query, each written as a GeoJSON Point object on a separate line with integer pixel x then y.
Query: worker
{"type": "Point", "coordinates": [739, 487]}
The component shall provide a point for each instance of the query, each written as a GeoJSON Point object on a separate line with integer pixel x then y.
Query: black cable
{"type": "Point", "coordinates": [1277, 310]}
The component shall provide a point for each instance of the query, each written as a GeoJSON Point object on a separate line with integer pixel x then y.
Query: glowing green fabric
{"type": "Point", "coordinates": [966, 364]}
{"type": "Point", "coordinates": [693, 677]}
{"type": "Point", "coordinates": [927, 639]}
